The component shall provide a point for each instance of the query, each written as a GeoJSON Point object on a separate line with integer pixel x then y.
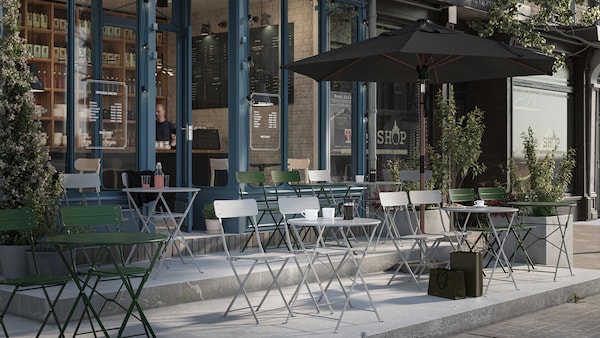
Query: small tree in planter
{"type": "Point", "coordinates": [456, 153]}
{"type": "Point", "coordinates": [26, 176]}
{"type": "Point", "coordinates": [210, 219]}
{"type": "Point", "coordinates": [542, 180]}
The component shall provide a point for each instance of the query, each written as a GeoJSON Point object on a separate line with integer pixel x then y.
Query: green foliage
{"type": "Point", "coordinates": [457, 151]}
{"type": "Point", "coordinates": [507, 17]}
{"type": "Point", "coordinates": [544, 180]}
{"type": "Point", "coordinates": [393, 168]}
{"type": "Point", "coordinates": [26, 177]}
{"type": "Point", "coordinates": [209, 211]}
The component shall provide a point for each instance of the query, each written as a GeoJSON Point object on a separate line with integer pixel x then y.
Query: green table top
{"type": "Point", "coordinates": [542, 204]}
{"type": "Point", "coordinates": [107, 238]}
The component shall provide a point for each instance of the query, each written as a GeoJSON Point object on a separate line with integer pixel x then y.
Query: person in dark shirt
{"type": "Point", "coordinates": [164, 128]}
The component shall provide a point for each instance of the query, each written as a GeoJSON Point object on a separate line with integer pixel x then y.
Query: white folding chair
{"type": "Point", "coordinates": [247, 209]}
{"type": "Point", "coordinates": [434, 197]}
{"type": "Point", "coordinates": [87, 165]}
{"type": "Point", "coordinates": [217, 164]}
{"type": "Point", "coordinates": [316, 177]}
{"type": "Point", "coordinates": [290, 207]}
{"type": "Point", "coordinates": [81, 183]}
{"type": "Point", "coordinates": [392, 203]}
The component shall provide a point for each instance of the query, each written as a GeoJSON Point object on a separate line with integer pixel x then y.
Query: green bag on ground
{"type": "Point", "coordinates": [471, 263]}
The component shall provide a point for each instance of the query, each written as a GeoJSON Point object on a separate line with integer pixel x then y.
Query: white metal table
{"type": "Point", "coordinates": [352, 254]}
{"type": "Point", "coordinates": [499, 255]}
{"type": "Point", "coordinates": [175, 234]}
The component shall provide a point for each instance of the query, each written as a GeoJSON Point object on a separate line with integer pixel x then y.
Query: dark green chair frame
{"type": "Point", "coordinates": [23, 220]}
{"type": "Point", "coordinates": [467, 196]}
{"type": "Point", "coordinates": [268, 204]}
{"type": "Point", "coordinates": [96, 217]}
{"type": "Point", "coordinates": [519, 231]}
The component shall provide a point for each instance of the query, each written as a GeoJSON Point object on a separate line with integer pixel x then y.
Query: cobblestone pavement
{"type": "Point", "coordinates": [579, 318]}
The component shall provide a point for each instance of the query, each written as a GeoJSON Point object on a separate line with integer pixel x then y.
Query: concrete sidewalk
{"type": "Point", "coordinates": [579, 317]}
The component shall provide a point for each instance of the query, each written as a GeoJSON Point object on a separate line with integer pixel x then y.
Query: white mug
{"type": "Point", "coordinates": [479, 203]}
{"type": "Point", "coordinates": [360, 178]}
{"type": "Point", "coordinates": [328, 213]}
{"type": "Point", "coordinates": [310, 214]}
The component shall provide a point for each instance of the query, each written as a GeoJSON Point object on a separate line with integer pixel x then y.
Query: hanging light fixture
{"type": "Point", "coordinates": [37, 86]}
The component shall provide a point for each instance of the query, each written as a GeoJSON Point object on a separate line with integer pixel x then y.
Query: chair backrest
{"type": "Point", "coordinates": [17, 219]}
{"type": "Point", "coordinates": [315, 176]}
{"type": "Point", "coordinates": [414, 175]}
{"type": "Point", "coordinates": [426, 197]}
{"type": "Point", "coordinates": [290, 206]}
{"type": "Point", "coordinates": [418, 197]}
{"type": "Point", "coordinates": [234, 209]}
{"type": "Point", "coordinates": [393, 202]}
{"type": "Point", "coordinates": [89, 216]}
{"type": "Point", "coordinates": [294, 205]}
{"type": "Point", "coordinates": [292, 176]}
{"type": "Point", "coordinates": [491, 193]}
{"type": "Point", "coordinates": [217, 164]}
{"type": "Point", "coordinates": [279, 176]}
{"type": "Point", "coordinates": [393, 199]}
{"type": "Point", "coordinates": [250, 177]}
{"type": "Point", "coordinates": [461, 195]}
{"type": "Point", "coordinates": [81, 182]}
{"type": "Point", "coordinates": [87, 165]}
{"type": "Point", "coordinates": [300, 164]}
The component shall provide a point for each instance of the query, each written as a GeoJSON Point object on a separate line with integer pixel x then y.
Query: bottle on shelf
{"type": "Point", "coordinates": [159, 177]}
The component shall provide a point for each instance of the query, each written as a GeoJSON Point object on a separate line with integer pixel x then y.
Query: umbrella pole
{"type": "Point", "coordinates": [422, 88]}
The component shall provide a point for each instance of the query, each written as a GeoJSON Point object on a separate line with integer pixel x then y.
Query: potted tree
{"type": "Point", "coordinates": [456, 153]}
{"type": "Point", "coordinates": [26, 176]}
{"type": "Point", "coordinates": [542, 179]}
{"type": "Point", "coordinates": [210, 219]}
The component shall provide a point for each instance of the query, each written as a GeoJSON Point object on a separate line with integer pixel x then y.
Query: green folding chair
{"type": "Point", "coordinates": [467, 196]}
{"type": "Point", "coordinates": [99, 218]}
{"type": "Point", "coordinates": [23, 220]}
{"type": "Point", "coordinates": [268, 203]}
{"type": "Point", "coordinates": [519, 231]}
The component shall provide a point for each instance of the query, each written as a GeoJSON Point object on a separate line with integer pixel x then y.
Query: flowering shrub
{"type": "Point", "coordinates": [26, 176]}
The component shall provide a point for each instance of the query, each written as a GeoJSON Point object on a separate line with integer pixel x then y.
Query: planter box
{"type": "Point", "coordinates": [12, 258]}
{"type": "Point", "coordinates": [49, 263]}
{"type": "Point", "coordinates": [543, 251]}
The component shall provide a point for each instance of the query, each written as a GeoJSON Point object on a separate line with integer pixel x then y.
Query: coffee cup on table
{"type": "Point", "coordinates": [479, 203]}
{"type": "Point", "coordinates": [310, 214]}
{"type": "Point", "coordinates": [360, 178]}
{"type": "Point", "coordinates": [328, 213]}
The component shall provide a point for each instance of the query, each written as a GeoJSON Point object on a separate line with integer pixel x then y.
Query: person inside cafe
{"type": "Point", "coordinates": [165, 130]}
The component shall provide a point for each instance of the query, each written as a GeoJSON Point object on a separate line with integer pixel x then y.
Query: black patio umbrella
{"type": "Point", "coordinates": [427, 52]}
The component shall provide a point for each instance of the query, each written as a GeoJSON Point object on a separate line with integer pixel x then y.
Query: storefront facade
{"type": "Point", "coordinates": [216, 68]}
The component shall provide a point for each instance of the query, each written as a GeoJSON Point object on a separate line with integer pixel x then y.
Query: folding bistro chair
{"type": "Point", "coordinates": [248, 209]}
{"type": "Point", "coordinates": [291, 177]}
{"type": "Point", "coordinates": [217, 164]}
{"type": "Point", "coordinates": [268, 203]}
{"type": "Point", "coordinates": [486, 238]}
{"type": "Point", "coordinates": [75, 218]}
{"type": "Point", "coordinates": [392, 203]}
{"type": "Point", "coordinates": [82, 183]}
{"type": "Point", "coordinates": [519, 231]}
{"type": "Point", "coordinates": [323, 177]}
{"type": "Point", "coordinates": [434, 198]}
{"type": "Point", "coordinates": [23, 220]}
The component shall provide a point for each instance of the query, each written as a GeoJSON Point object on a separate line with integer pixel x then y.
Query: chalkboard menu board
{"type": "Point", "coordinates": [209, 66]}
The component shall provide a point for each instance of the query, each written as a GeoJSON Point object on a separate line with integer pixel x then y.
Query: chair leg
{"type": "Point", "coordinates": [242, 290]}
